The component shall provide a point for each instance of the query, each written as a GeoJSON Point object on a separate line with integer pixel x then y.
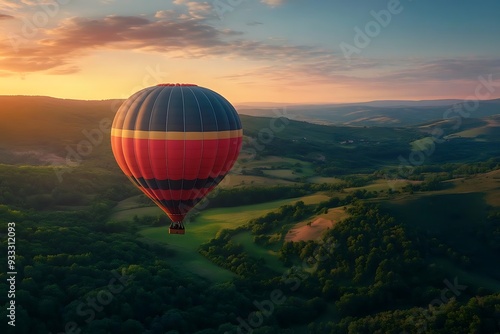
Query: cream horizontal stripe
{"type": "Point", "coordinates": [162, 135]}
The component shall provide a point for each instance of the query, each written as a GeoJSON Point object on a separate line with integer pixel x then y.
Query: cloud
{"type": "Point", "coordinates": [6, 17]}
{"type": "Point", "coordinates": [9, 6]}
{"type": "Point", "coordinates": [76, 37]}
{"type": "Point", "coordinates": [254, 23]}
{"type": "Point", "coordinates": [195, 9]}
{"type": "Point", "coordinates": [166, 14]}
{"type": "Point", "coordinates": [273, 3]}
{"type": "Point", "coordinates": [447, 69]}
{"type": "Point", "coordinates": [434, 78]}
{"type": "Point", "coordinates": [38, 2]}
{"type": "Point", "coordinates": [64, 70]}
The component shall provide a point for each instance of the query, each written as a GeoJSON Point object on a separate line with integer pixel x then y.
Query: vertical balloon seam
{"type": "Point", "coordinates": [205, 181]}
{"type": "Point", "coordinates": [166, 200]}
{"type": "Point", "coordinates": [197, 191]}
{"type": "Point", "coordinates": [183, 142]}
{"type": "Point", "coordinates": [123, 139]}
{"type": "Point", "coordinates": [198, 187]}
{"type": "Point", "coordinates": [151, 194]}
{"type": "Point", "coordinates": [170, 201]}
{"type": "Point", "coordinates": [140, 158]}
{"type": "Point", "coordinates": [211, 173]}
{"type": "Point", "coordinates": [151, 113]}
{"type": "Point", "coordinates": [139, 121]}
{"type": "Point", "coordinates": [225, 116]}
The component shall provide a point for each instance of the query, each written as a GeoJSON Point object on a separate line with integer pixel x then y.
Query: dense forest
{"type": "Point", "coordinates": [84, 272]}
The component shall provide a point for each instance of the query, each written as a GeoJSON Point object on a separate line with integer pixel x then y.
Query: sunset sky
{"type": "Point", "coordinates": [286, 51]}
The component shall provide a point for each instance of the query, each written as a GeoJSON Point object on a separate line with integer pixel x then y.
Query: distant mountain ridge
{"type": "Point", "coordinates": [377, 113]}
{"type": "Point", "coordinates": [375, 103]}
{"type": "Point", "coordinates": [383, 113]}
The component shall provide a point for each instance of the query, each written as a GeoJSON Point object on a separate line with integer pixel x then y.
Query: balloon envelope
{"type": "Point", "coordinates": [176, 143]}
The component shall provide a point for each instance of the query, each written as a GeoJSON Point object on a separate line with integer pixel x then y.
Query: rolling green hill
{"type": "Point", "coordinates": [48, 131]}
{"type": "Point", "coordinates": [31, 121]}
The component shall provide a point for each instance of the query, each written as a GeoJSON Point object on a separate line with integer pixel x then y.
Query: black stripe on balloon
{"type": "Point", "coordinates": [155, 184]}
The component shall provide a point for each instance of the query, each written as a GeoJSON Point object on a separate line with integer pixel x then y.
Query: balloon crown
{"type": "Point", "coordinates": [176, 85]}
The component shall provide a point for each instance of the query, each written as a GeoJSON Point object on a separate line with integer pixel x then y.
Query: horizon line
{"type": "Point", "coordinates": [263, 103]}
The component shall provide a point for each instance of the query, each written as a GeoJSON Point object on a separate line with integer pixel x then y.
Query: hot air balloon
{"type": "Point", "coordinates": [176, 142]}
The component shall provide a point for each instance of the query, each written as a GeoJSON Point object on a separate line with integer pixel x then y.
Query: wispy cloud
{"type": "Point", "coordinates": [76, 37]}
{"type": "Point", "coordinates": [15, 5]}
{"type": "Point", "coordinates": [38, 2]}
{"type": "Point", "coordinates": [196, 9]}
{"type": "Point", "coordinates": [447, 69]}
{"type": "Point", "coordinates": [273, 3]}
{"type": "Point", "coordinates": [6, 17]}
{"type": "Point", "coordinates": [254, 23]}
{"type": "Point", "coordinates": [9, 6]}
{"type": "Point", "coordinates": [440, 77]}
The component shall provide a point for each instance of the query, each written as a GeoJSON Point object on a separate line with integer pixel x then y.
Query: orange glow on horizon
{"type": "Point", "coordinates": [97, 80]}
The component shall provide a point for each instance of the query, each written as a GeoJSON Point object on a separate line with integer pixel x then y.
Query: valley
{"type": "Point", "coordinates": [323, 208]}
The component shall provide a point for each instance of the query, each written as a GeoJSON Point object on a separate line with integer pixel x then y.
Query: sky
{"type": "Point", "coordinates": [282, 51]}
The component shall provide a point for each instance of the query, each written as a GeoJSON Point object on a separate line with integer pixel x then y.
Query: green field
{"type": "Point", "coordinates": [490, 130]}
{"type": "Point", "coordinates": [205, 226]}
{"type": "Point", "coordinates": [323, 179]}
{"type": "Point", "coordinates": [280, 168]}
{"type": "Point", "coordinates": [422, 144]}
{"type": "Point", "coordinates": [235, 180]}
{"type": "Point", "coordinates": [140, 212]}
{"type": "Point", "coordinates": [272, 162]}
{"type": "Point", "coordinates": [186, 256]}
{"type": "Point", "coordinates": [473, 133]}
{"type": "Point", "coordinates": [129, 203]}
{"type": "Point", "coordinates": [383, 185]}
